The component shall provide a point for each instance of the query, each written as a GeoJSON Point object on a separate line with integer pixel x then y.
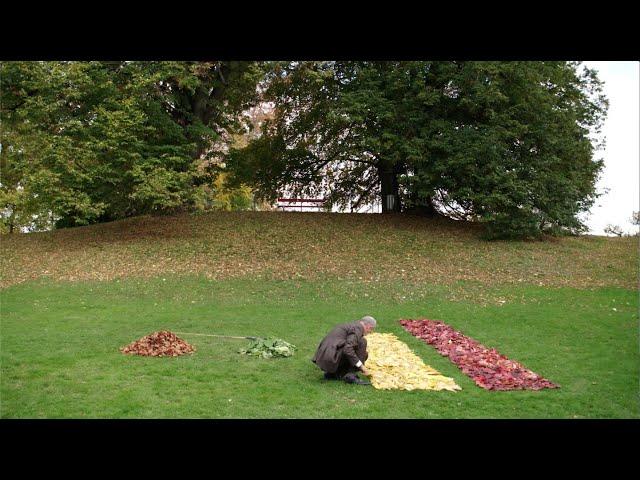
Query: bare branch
{"type": "Point", "coordinates": [224, 82]}
{"type": "Point", "coordinates": [372, 184]}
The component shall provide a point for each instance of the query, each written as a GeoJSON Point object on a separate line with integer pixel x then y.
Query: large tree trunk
{"type": "Point", "coordinates": [12, 218]}
{"type": "Point", "coordinates": [203, 113]}
{"type": "Point", "coordinates": [389, 189]}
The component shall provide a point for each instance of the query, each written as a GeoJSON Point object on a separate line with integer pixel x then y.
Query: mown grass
{"type": "Point", "coordinates": [60, 340]}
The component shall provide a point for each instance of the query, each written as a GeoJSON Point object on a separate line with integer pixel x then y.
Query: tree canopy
{"type": "Point", "coordinates": [509, 144]}
{"type": "Point", "coordinates": [87, 142]}
{"type": "Point", "coordinates": [505, 143]}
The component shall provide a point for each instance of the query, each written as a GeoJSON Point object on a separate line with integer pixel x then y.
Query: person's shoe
{"type": "Point", "coordinates": [353, 378]}
{"type": "Point", "coordinates": [330, 376]}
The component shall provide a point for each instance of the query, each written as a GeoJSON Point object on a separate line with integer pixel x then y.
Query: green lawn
{"type": "Point", "coordinates": [60, 341]}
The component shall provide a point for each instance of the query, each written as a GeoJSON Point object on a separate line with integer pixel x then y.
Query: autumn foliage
{"type": "Point", "coordinates": [159, 344]}
{"type": "Point", "coordinates": [488, 368]}
{"type": "Point", "coordinates": [393, 365]}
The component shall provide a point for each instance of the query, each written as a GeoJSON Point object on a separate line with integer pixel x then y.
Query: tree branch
{"type": "Point", "coordinates": [364, 194]}
{"type": "Point", "coordinates": [224, 82]}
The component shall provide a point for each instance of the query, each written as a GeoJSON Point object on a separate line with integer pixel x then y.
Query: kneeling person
{"type": "Point", "coordinates": [343, 351]}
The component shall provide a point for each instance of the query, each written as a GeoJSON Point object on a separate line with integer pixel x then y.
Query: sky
{"type": "Point", "coordinates": [621, 172]}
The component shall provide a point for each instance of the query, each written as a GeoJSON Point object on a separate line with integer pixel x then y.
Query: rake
{"type": "Point", "coordinates": [267, 347]}
{"type": "Point", "coordinates": [219, 336]}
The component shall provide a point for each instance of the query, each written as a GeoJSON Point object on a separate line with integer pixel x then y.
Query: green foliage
{"type": "Point", "coordinates": [269, 347]}
{"type": "Point", "coordinates": [519, 156]}
{"type": "Point", "coordinates": [230, 198]}
{"type": "Point", "coordinates": [222, 196]}
{"type": "Point", "coordinates": [85, 142]}
{"type": "Point", "coordinates": [504, 143]}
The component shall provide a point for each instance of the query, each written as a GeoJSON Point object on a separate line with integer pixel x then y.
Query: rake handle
{"type": "Point", "coordinates": [219, 336]}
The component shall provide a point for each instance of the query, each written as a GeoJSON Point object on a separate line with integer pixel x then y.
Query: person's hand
{"type": "Point", "coordinates": [364, 371]}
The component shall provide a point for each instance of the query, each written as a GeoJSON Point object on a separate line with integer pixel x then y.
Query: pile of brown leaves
{"type": "Point", "coordinates": [159, 344]}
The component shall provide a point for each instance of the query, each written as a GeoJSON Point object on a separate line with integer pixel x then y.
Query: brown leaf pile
{"type": "Point", "coordinates": [159, 344]}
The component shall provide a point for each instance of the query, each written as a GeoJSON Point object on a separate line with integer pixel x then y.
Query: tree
{"type": "Point", "coordinates": [613, 230]}
{"type": "Point", "coordinates": [43, 156]}
{"type": "Point", "coordinates": [516, 152]}
{"type": "Point", "coordinates": [504, 143]}
{"type": "Point", "coordinates": [20, 204]}
{"type": "Point", "coordinates": [223, 194]}
{"type": "Point", "coordinates": [325, 134]}
{"type": "Point", "coordinates": [86, 142]}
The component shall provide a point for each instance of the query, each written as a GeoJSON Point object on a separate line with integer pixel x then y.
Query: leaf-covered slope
{"type": "Point", "coordinates": [362, 247]}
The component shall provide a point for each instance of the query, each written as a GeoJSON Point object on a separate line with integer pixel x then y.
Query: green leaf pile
{"type": "Point", "coordinates": [269, 347]}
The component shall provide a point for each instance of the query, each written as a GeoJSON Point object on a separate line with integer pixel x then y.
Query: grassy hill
{"type": "Point", "coordinates": [291, 245]}
{"type": "Point", "coordinates": [565, 308]}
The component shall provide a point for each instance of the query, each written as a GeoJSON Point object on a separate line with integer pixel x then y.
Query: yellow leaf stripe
{"type": "Point", "coordinates": [394, 366]}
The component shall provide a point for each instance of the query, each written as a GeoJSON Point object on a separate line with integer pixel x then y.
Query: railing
{"type": "Point", "coordinates": [316, 203]}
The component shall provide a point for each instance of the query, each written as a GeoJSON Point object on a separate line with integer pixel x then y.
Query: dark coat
{"type": "Point", "coordinates": [343, 346]}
